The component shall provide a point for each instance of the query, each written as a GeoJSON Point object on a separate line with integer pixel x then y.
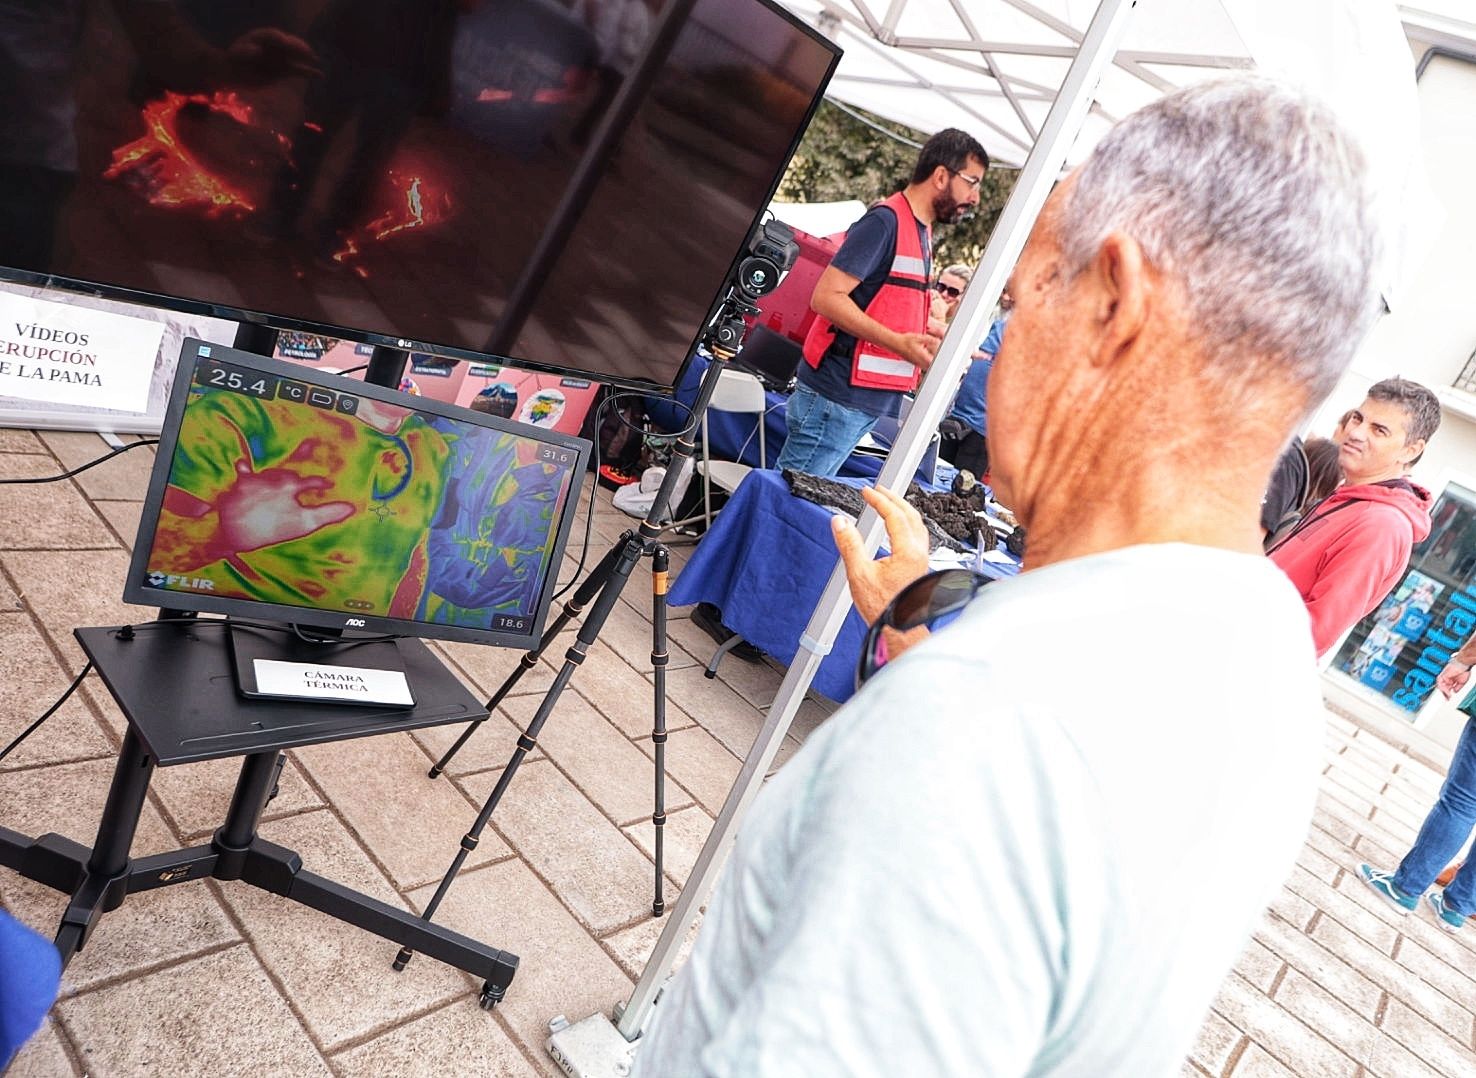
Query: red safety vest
{"type": "Point", "coordinates": [902, 303]}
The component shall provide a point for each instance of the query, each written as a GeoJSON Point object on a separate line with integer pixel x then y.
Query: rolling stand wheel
{"type": "Point", "coordinates": [402, 959]}
{"type": "Point", "coordinates": [491, 995]}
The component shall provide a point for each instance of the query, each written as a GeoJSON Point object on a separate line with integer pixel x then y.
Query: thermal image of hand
{"type": "Point", "coordinates": [874, 583]}
{"type": "Point", "coordinates": [258, 510]}
{"type": "Point", "coordinates": [263, 508]}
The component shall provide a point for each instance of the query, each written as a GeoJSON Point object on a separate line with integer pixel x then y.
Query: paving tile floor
{"type": "Point", "coordinates": [221, 978]}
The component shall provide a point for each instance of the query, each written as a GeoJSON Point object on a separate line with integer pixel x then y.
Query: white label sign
{"type": "Point", "coordinates": [322, 682]}
{"type": "Point", "coordinates": [73, 355]}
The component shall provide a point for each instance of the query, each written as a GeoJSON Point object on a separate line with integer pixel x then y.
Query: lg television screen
{"type": "Point", "coordinates": [390, 170]}
{"type": "Point", "coordinates": [299, 496]}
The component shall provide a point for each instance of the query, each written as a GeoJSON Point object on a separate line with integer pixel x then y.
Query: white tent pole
{"type": "Point", "coordinates": [1042, 167]}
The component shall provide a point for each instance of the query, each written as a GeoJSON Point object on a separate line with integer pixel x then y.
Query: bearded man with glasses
{"type": "Point", "coordinates": [875, 333]}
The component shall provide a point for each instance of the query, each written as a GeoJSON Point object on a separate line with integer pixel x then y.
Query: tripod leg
{"type": "Point", "coordinates": [571, 610]}
{"type": "Point", "coordinates": [660, 563]}
{"type": "Point", "coordinates": [626, 554]}
{"type": "Point", "coordinates": [608, 579]}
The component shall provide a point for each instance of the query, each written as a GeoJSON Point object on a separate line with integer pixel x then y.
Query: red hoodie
{"type": "Point", "coordinates": [1350, 551]}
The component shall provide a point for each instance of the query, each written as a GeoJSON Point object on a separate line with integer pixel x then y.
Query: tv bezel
{"type": "Point", "coordinates": [186, 305]}
{"type": "Point", "coordinates": [136, 591]}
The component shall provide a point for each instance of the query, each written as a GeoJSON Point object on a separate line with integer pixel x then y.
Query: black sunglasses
{"type": "Point", "coordinates": [947, 289]}
{"type": "Point", "coordinates": [927, 601]}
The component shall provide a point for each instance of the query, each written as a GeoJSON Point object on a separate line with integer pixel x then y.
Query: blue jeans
{"type": "Point", "coordinates": [822, 433]}
{"type": "Point", "coordinates": [1445, 830]}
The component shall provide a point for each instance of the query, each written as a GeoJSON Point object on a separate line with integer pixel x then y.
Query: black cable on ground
{"type": "Point", "coordinates": [83, 467]}
{"type": "Point", "coordinates": [29, 730]}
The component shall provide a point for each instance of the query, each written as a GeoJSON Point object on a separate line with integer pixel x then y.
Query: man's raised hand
{"type": "Point", "coordinates": [874, 583]}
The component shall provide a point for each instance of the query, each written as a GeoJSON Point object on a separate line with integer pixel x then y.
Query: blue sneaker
{"type": "Point", "coordinates": [1450, 920]}
{"type": "Point", "coordinates": [1383, 886]}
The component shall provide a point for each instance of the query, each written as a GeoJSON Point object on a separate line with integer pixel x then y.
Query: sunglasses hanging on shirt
{"type": "Point", "coordinates": [930, 602]}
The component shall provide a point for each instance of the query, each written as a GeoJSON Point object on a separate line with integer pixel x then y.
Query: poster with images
{"type": "Point", "coordinates": [554, 401]}
{"type": "Point", "coordinates": [1394, 655]}
{"type": "Point", "coordinates": [1400, 621]}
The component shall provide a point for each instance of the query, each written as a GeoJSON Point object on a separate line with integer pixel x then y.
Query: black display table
{"type": "Point", "coordinates": [176, 688]}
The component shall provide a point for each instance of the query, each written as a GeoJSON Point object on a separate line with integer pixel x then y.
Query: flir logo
{"type": "Point", "coordinates": [169, 580]}
{"type": "Point", "coordinates": [354, 623]}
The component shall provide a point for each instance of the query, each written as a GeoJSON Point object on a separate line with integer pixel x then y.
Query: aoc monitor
{"type": "Point", "coordinates": [431, 175]}
{"type": "Point", "coordinates": [292, 495]}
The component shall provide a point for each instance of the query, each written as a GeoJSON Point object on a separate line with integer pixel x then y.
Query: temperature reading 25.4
{"type": "Point", "coordinates": [224, 376]}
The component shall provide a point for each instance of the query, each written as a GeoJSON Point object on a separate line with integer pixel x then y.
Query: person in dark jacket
{"type": "Point", "coordinates": [1349, 552]}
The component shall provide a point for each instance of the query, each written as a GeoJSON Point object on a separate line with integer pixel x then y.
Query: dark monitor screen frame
{"type": "Point", "coordinates": [360, 334]}
{"type": "Point", "coordinates": [134, 590]}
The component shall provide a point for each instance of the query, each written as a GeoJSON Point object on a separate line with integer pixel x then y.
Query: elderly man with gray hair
{"type": "Point", "coordinates": [1022, 848]}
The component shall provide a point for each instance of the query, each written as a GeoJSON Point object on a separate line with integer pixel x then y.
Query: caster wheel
{"type": "Point", "coordinates": [491, 996]}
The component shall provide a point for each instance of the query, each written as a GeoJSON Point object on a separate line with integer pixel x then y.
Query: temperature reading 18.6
{"type": "Point", "coordinates": [553, 454]}
{"type": "Point", "coordinates": [224, 376]}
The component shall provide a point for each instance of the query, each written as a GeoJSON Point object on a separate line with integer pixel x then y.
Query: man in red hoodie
{"type": "Point", "coordinates": [1350, 550]}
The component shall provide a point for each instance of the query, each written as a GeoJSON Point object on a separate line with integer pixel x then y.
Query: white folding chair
{"type": "Point", "coordinates": [740, 392]}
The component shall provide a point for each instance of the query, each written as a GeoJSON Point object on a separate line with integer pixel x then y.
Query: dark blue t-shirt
{"type": "Point", "coordinates": [867, 253]}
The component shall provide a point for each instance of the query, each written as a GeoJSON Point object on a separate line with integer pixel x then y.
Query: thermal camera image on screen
{"type": "Point", "coordinates": [289, 493]}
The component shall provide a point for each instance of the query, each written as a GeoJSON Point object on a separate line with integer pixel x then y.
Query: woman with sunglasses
{"type": "Point", "coordinates": [948, 290]}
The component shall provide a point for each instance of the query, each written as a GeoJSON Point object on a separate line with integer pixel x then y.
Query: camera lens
{"type": "Point", "coordinates": [757, 276]}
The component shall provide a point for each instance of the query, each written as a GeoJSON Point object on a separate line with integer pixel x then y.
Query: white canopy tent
{"type": "Point", "coordinates": [819, 218]}
{"type": "Point", "coordinates": [1039, 83]}
{"type": "Point", "coordinates": [992, 67]}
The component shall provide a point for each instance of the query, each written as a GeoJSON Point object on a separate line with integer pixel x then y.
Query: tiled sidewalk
{"type": "Point", "coordinates": [220, 978]}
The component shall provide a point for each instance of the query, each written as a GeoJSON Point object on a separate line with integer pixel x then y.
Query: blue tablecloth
{"type": "Point", "coordinates": [764, 563]}
{"type": "Point", "coordinates": [734, 435]}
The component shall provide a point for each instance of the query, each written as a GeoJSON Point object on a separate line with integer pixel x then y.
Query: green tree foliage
{"type": "Point", "coordinates": [841, 157]}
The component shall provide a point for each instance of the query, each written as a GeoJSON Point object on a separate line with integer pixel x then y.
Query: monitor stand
{"type": "Point", "coordinates": [347, 670]}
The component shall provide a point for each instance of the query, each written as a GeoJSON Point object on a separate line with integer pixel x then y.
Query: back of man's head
{"type": "Point", "coordinates": [1420, 406]}
{"type": "Point", "coordinates": [950, 148]}
{"type": "Point", "coordinates": [1252, 198]}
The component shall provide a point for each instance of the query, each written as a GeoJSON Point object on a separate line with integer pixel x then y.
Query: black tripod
{"type": "Point", "coordinates": [603, 587]}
